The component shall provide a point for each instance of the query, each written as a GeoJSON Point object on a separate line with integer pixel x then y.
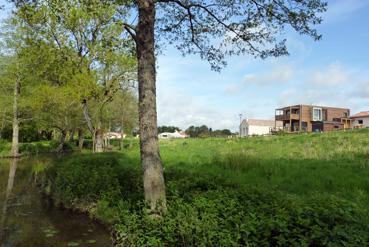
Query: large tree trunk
{"type": "Point", "coordinates": [153, 178]}
{"type": "Point", "coordinates": [99, 141]}
{"type": "Point", "coordinates": [15, 139]}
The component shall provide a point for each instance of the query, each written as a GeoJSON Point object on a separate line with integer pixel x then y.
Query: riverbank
{"type": "Point", "coordinates": [27, 218]}
{"type": "Point", "coordinates": [262, 191]}
{"type": "Point", "coordinates": [33, 148]}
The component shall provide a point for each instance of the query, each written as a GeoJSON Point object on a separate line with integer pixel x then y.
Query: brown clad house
{"type": "Point", "coordinates": [310, 118]}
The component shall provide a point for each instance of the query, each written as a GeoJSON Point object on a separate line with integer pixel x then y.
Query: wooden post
{"type": "Point", "coordinates": [290, 121]}
{"type": "Point", "coordinates": [300, 118]}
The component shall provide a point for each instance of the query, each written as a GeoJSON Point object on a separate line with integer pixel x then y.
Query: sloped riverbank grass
{"type": "Point", "coordinates": [31, 148]}
{"type": "Point", "coordinates": [300, 190]}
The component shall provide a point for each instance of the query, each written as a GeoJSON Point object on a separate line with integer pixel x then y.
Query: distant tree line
{"type": "Point", "coordinates": [170, 129]}
{"type": "Point", "coordinates": [205, 131]}
{"type": "Point", "coordinates": [197, 131]}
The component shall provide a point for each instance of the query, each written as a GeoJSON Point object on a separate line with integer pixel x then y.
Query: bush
{"type": "Point", "coordinates": [247, 217]}
{"type": "Point", "coordinates": [38, 147]}
{"type": "Point", "coordinates": [94, 183]}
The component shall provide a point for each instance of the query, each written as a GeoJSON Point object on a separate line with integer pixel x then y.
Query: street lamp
{"type": "Point", "coordinates": [240, 124]}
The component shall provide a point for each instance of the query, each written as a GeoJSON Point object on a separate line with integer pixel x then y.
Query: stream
{"type": "Point", "coordinates": [29, 219]}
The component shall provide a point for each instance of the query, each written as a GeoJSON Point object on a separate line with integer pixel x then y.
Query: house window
{"type": "Point", "coordinates": [360, 121]}
{"type": "Point", "coordinates": [345, 114]}
{"type": "Point", "coordinates": [317, 114]}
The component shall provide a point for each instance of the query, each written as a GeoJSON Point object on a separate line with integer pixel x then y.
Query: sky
{"type": "Point", "coordinates": [330, 72]}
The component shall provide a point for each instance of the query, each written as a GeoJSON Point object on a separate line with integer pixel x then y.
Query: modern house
{"type": "Point", "coordinates": [360, 120]}
{"type": "Point", "coordinates": [310, 118]}
{"type": "Point", "coordinates": [250, 127]}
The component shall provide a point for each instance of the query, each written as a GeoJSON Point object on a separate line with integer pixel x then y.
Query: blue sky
{"type": "Point", "coordinates": [332, 72]}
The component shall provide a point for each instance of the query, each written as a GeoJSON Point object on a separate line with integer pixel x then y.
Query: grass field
{"type": "Point", "coordinates": [336, 162]}
{"type": "Point", "coordinates": [293, 190]}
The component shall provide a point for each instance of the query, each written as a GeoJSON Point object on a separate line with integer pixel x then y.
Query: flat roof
{"type": "Point", "coordinates": [298, 106]}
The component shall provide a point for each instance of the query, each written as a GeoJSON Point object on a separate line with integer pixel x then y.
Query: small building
{"type": "Point", "coordinates": [250, 127]}
{"type": "Point", "coordinates": [114, 135]}
{"type": "Point", "coordinates": [310, 118]}
{"type": "Point", "coordinates": [360, 120]}
{"type": "Point", "coordinates": [176, 134]}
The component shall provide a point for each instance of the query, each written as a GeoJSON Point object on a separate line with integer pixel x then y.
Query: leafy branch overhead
{"type": "Point", "coordinates": [220, 28]}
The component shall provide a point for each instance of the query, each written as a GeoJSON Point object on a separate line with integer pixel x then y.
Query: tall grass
{"type": "Point", "coordinates": [292, 190]}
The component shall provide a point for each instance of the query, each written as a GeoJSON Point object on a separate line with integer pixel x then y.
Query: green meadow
{"type": "Point", "coordinates": [288, 190]}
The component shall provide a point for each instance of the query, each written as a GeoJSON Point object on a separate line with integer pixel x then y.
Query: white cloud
{"type": "Point", "coordinates": [280, 74]}
{"type": "Point", "coordinates": [340, 9]}
{"type": "Point", "coordinates": [332, 75]}
{"type": "Point", "coordinates": [182, 110]}
{"type": "Point", "coordinates": [361, 90]}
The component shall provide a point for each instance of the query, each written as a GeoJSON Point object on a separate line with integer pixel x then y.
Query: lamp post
{"type": "Point", "coordinates": [240, 124]}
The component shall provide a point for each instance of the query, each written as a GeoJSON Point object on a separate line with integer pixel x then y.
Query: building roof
{"type": "Point", "coordinates": [324, 107]}
{"type": "Point", "coordinates": [260, 122]}
{"type": "Point", "coordinates": [361, 114]}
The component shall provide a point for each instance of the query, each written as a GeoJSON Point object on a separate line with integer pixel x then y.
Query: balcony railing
{"type": "Point", "coordinates": [292, 116]}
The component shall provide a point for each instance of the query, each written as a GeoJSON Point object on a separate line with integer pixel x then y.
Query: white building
{"type": "Point", "coordinates": [168, 135]}
{"type": "Point", "coordinates": [360, 120]}
{"type": "Point", "coordinates": [115, 135]}
{"type": "Point", "coordinates": [251, 127]}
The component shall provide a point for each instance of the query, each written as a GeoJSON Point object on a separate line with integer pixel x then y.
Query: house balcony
{"type": "Point", "coordinates": [285, 117]}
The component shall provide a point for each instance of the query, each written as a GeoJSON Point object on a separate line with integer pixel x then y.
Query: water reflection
{"type": "Point", "coordinates": [9, 188]}
{"type": "Point", "coordinates": [27, 219]}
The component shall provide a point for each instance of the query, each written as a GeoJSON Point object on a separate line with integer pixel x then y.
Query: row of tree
{"type": "Point", "coordinates": [205, 131]}
{"type": "Point", "coordinates": [77, 54]}
{"type": "Point", "coordinates": [73, 76]}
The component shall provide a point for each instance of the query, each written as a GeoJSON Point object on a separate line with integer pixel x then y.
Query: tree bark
{"type": "Point", "coordinates": [15, 139]}
{"type": "Point", "coordinates": [87, 117]}
{"type": "Point", "coordinates": [63, 137]}
{"type": "Point", "coordinates": [99, 141]}
{"type": "Point", "coordinates": [2, 125]}
{"type": "Point", "coordinates": [71, 137]}
{"type": "Point", "coordinates": [80, 139]}
{"type": "Point", "coordinates": [9, 188]}
{"type": "Point", "coordinates": [122, 134]}
{"type": "Point", "coordinates": [153, 179]}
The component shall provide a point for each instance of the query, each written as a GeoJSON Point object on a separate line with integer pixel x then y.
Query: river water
{"type": "Point", "coordinates": [27, 219]}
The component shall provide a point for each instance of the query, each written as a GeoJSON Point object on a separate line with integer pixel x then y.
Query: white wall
{"type": "Point", "coordinates": [249, 130]}
{"type": "Point", "coordinates": [259, 130]}
{"type": "Point", "coordinates": [365, 122]}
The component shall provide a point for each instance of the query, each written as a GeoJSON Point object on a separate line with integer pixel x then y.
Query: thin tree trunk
{"type": "Point", "coordinates": [71, 137]}
{"type": "Point", "coordinates": [87, 117]}
{"type": "Point", "coordinates": [63, 137]}
{"type": "Point", "coordinates": [2, 125]}
{"type": "Point", "coordinates": [15, 139]}
{"type": "Point", "coordinates": [9, 188]}
{"type": "Point", "coordinates": [153, 179]}
{"type": "Point", "coordinates": [122, 134]}
{"type": "Point", "coordinates": [80, 139]}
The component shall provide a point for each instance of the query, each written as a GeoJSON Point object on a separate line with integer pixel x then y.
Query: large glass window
{"type": "Point", "coordinates": [317, 114]}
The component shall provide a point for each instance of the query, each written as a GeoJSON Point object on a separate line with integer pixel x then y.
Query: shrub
{"type": "Point", "coordinates": [248, 217]}
{"type": "Point", "coordinates": [39, 147]}
{"type": "Point", "coordinates": [94, 183]}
